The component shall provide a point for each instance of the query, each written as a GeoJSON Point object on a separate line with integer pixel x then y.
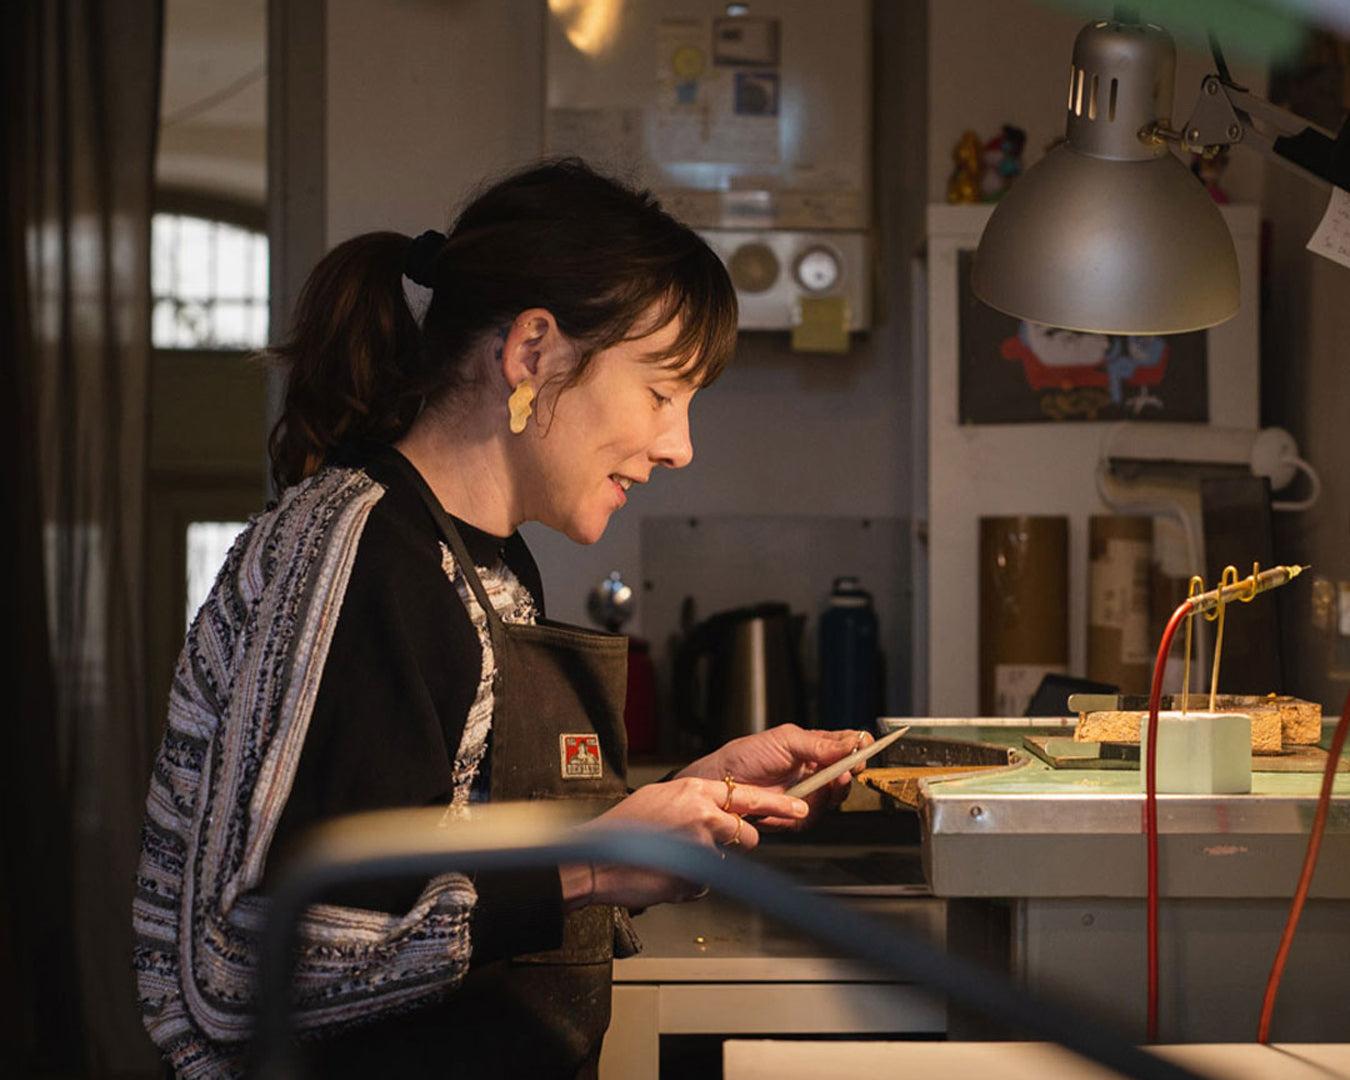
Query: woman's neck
{"type": "Point", "coordinates": [466, 467]}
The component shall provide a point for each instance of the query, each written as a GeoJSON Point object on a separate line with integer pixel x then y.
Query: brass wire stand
{"type": "Point", "coordinates": [1212, 604]}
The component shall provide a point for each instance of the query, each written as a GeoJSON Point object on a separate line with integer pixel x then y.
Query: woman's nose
{"type": "Point", "coordinates": [674, 449]}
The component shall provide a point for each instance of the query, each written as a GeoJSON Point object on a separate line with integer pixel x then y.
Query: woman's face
{"type": "Point", "coordinates": [593, 441]}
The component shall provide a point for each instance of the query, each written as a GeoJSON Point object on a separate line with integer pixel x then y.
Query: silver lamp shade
{"type": "Point", "coordinates": [1109, 232]}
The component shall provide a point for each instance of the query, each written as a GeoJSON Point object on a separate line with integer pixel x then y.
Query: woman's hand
{"type": "Point", "coordinates": [782, 756]}
{"type": "Point", "coordinates": [707, 812]}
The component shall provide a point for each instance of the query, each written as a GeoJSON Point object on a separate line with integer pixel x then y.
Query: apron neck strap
{"type": "Point", "coordinates": [450, 534]}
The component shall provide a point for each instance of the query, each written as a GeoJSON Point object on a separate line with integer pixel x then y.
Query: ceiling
{"type": "Point", "coordinates": [213, 106]}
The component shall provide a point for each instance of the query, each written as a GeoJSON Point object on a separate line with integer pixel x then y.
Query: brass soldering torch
{"type": "Point", "coordinates": [1246, 589]}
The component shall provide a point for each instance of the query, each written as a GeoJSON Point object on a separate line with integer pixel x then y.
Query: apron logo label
{"type": "Point", "coordinates": [580, 756]}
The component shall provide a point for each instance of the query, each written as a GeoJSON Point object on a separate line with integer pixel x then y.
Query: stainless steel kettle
{"type": "Point", "coordinates": [739, 672]}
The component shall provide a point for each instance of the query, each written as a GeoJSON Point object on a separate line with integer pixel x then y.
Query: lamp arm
{"type": "Point", "coordinates": [1226, 114]}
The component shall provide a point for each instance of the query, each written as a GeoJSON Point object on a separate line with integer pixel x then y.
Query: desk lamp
{"type": "Point", "coordinates": [1109, 232]}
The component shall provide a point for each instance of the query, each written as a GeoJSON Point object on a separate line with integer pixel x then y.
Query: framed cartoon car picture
{"type": "Point", "coordinates": [1013, 371]}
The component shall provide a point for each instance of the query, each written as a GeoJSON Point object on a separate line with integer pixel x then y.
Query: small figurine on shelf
{"type": "Point", "coordinates": [964, 184]}
{"type": "Point", "coordinates": [1209, 168]}
{"type": "Point", "coordinates": [1003, 161]}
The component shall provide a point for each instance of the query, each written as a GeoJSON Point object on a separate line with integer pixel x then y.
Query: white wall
{"type": "Point", "coordinates": [426, 99]}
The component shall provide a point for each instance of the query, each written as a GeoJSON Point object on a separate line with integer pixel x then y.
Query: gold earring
{"type": "Point", "coordinates": [519, 404]}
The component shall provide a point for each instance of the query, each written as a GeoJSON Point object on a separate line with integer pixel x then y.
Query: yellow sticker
{"type": "Point", "coordinates": [824, 325]}
{"type": "Point", "coordinates": [687, 62]}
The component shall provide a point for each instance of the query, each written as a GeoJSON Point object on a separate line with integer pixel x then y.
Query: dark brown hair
{"type": "Point", "coordinates": [596, 254]}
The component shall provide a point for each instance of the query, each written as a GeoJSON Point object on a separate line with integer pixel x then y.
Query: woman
{"type": "Point", "coordinates": [376, 639]}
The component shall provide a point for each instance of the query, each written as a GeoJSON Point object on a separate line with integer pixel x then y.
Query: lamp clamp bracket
{"type": "Point", "coordinates": [1225, 114]}
{"type": "Point", "coordinates": [1214, 123]}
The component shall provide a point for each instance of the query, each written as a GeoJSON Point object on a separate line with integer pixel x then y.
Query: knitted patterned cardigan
{"type": "Point", "coordinates": [243, 693]}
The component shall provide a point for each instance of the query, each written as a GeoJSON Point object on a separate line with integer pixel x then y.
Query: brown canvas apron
{"type": "Point", "coordinates": [557, 733]}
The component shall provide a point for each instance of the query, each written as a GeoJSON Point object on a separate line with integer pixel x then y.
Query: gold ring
{"type": "Point", "coordinates": [736, 836]}
{"type": "Point", "coordinates": [731, 785]}
{"type": "Point", "coordinates": [858, 745]}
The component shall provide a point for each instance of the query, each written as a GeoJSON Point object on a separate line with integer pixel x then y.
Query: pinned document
{"type": "Point", "coordinates": [1332, 238]}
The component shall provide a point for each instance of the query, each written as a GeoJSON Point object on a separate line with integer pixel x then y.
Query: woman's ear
{"type": "Point", "coordinates": [526, 348]}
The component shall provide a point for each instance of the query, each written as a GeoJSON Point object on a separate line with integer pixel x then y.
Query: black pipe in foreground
{"type": "Point", "coordinates": [384, 844]}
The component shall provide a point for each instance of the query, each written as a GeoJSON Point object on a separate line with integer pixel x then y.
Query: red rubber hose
{"type": "Point", "coordinates": [1305, 878]}
{"type": "Point", "coordinates": [1151, 811]}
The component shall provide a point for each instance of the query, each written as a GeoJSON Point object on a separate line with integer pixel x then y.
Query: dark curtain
{"type": "Point", "coordinates": [81, 85]}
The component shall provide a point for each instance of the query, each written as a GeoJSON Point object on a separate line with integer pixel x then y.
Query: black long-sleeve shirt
{"type": "Point", "coordinates": [402, 672]}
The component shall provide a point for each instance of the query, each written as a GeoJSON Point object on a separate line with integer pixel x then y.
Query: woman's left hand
{"type": "Point", "coordinates": [779, 757]}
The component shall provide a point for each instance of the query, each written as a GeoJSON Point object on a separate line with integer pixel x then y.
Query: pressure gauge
{"type": "Point", "coordinates": [817, 269]}
{"type": "Point", "coordinates": [753, 267]}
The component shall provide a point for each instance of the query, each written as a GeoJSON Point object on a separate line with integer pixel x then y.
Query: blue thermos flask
{"type": "Point", "coordinates": [850, 683]}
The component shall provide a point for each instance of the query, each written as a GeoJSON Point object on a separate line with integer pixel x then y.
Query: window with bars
{"type": "Point", "coordinates": [209, 284]}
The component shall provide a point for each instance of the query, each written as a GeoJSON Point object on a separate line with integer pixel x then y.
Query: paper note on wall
{"type": "Point", "coordinates": [718, 92]}
{"type": "Point", "coordinates": [1119, 595]}
{"type": "Point", "coordinates": [1332, 238]}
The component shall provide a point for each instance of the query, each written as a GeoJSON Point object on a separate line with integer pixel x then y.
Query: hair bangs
{"type": "Point", "coordinates": [699, 293]}
{"type": "Point", "coordinates": [707, 337]}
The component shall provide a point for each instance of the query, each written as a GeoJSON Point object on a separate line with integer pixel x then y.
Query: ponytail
{"type": "Point", "coordinates": [356, 368]}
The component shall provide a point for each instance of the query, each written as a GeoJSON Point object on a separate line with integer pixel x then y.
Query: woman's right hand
{"type": "Point", "coordinates": [707, 812]}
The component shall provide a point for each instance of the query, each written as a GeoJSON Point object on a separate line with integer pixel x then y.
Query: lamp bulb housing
{"type": "Point", "coordinates": [1120, 89]}
{"type": "Point", "coordinates": [1109, 232]}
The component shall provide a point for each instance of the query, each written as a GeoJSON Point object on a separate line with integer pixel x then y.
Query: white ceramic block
{"type": "Point", "coordinates": [1201, 753]}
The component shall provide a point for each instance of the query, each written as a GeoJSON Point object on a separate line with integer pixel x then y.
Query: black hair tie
{"type": "Point", "coordinates": [419, 265]}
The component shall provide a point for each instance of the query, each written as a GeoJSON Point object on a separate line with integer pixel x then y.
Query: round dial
{"type": "Point", "coordinates": [753, 267]}
{"type": "Point", "coordinates": [818, 269]}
